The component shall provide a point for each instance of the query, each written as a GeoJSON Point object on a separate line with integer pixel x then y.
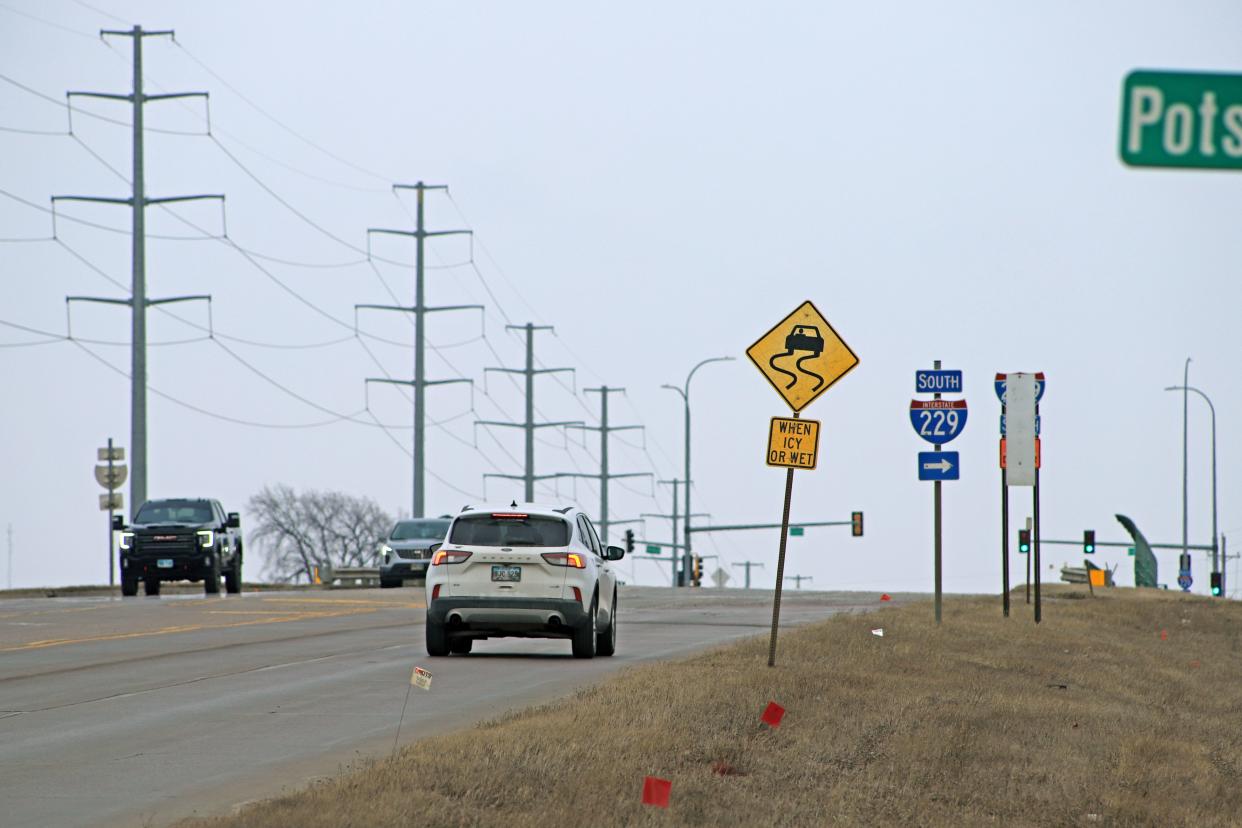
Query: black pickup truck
{"type": "Point", "coordinates": [181, 539]}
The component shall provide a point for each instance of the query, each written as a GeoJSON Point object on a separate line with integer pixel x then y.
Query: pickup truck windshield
{"type": "Point", "coordinates": [175, 511]}
{"type": "Point", "coordinates": [420, 530]}
{"type": "Point", "coordinates": [496, 530]}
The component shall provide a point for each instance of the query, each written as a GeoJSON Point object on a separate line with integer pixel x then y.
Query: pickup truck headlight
{"type": "Point", "coordinates": [127, 540]}
{"type": "Point", "coordinates": [206, 538]}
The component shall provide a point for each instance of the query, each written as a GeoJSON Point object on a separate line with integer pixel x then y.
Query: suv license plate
{"type": "Point", "coordinates": [506, 573]}
{"type": "Point", "coordinates": [164, 563]}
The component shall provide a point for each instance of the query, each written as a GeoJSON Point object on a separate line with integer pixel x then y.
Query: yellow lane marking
{"type": "Point", "coordinates": [359, 601]}
{"type": "Point", "coordinates": [51, 611]}
{"type": "Point", "coordinates": [292, 616]}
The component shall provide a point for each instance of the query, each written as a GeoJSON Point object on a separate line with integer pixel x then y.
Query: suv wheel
{"type": "Point", "coordinates": [211, 580]}
{"type": "Point", "coordinates": [606, 642]}
{"type": "Point", "coordinates": [437, 641]}
{"type": "Point", "coordinates": [232, 576]}
{"type": "Point", "coordinates": [151, 586]}
{"type": "Point", "coordinates": [461, 646]}
{"type": "Point", "coordinates": [389, 583]}
{"type": "Point", "coordinates": [129, 587]}
{"type": "Point", "coordinates": [586, 635]}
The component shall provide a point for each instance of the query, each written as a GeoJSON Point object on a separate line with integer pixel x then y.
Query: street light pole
{"type": "Point", "coordinates": [685, 397]}
{"type": "Point", "coordinates": [1184, 389]}
{"type": "Point", "coordinates": [1185, 454]}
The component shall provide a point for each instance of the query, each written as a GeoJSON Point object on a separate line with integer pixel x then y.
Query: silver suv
{"type": "Point", "coordinates": [406, 552]}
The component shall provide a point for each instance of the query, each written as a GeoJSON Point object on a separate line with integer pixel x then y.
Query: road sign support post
{"type": "Point", "coordinates": [1035, 537]}
{"type": "Point", "coordinates": [939, 536]}
{"type": "Point", "coordinates": [1028, 568]}
{"type": "Point", "coordinates": [1004, 546]}
{"type": "Point", "coordinates": [111, 534]}
{"type": "Point", "coordinates": [780, 566]}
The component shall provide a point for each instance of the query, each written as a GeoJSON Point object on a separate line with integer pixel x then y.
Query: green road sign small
{"type": "Point", "coordinates": [652, 549]}
{"type": "Point", "coordinates": [1182, 119]}
{"type": "Point", "coordinates": [795, 531]}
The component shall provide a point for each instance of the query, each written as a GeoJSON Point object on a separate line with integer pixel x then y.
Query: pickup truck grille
{"type": "Point", "coordinates": [165, 545]}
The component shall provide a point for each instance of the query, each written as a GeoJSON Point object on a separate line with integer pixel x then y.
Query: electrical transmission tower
{"type": "Point", "coordinates": [748, 565]}
{"type": "Point", "coordinates": [420, 310]}
{"type": "Point", "coordinates": [138, 301]}
{"type": "Point", "coordinates": [798, 579]}
{"type": "Point", "coordinates": [529, 426]}
{"type": "Point", "coordinates": [679, 577]}
{"type": "Point", "coordinates": [605, 475]}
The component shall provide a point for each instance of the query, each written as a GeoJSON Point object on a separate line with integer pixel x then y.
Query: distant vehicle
{"type": "Point", "coordinates": [530, 572]}
{"type": "Point", "coordinates": [406, 552]}
{"type": "Point", "coordinates": [181, 539]}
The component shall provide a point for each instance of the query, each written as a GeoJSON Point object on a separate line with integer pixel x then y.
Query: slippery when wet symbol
{"type": "Point", "coordinates": [801, 338]}
{"type": "Point", "coordinates": [802, 356]}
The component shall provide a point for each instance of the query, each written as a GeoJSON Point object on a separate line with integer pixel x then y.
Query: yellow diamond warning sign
{"type": "Point", "coordinates": [793, 443]}
{"type": "Point", "coordinates": [802, 356]}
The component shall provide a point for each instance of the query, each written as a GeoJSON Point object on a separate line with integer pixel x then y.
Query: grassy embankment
{"type": "Point", "coordinates": [1090, 719]}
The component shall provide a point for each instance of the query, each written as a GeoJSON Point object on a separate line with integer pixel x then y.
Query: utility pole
{"type": "Point", "coordinates": [528, 476]}
{"type": "Point", "coordinates": [748, 565]}
{"type": "Point", "coordinates": [673, 516]}
{"type": "Point", "coordinates": [9, 579]}
{"type": "Point", "coordinates": [420, 310]}
{"type": "Point", "coordinates": [798, 579]}
{"type": "Point", "coordinates": [138, 301]}
{"type": "Point", "coordinates": [605, 474]}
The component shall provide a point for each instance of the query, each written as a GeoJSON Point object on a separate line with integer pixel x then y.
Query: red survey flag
{"type": "Point", "coordinates": [885, 597]}
{"type": "Point", "coordinates": [656, 791]}
{"type": "Point", "coordinates": [1164, 635]}
{"type": "Point", "coordinates": [772, 714]}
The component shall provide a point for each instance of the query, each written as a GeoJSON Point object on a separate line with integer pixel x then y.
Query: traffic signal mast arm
{"type": "Point", "coordinates": [745, 526]}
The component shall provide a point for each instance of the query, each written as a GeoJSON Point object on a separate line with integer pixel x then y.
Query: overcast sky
{"type": "Point", "coordinates": [662, 183]}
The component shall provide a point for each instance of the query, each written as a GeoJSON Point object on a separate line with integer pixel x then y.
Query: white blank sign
{"type": "Point", "coordinates": [1020, 428]}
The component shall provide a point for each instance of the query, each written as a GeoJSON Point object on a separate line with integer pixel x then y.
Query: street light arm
{"type": "Point", "coordinates": [690, 376]}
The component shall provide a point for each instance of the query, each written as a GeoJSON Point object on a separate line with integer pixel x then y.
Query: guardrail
{"type": "Point", "coordinates": [349, 576]}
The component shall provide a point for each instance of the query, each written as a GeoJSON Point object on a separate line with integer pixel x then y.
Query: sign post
{"type": "Point", "coordinates": [111, 477]}
{"type": "Point", "coordinates": [802, 357]}
{"type": "Point", "coordinates": [938, 421]}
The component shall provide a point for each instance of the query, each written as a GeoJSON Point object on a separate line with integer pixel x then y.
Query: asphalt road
{"type": "Point", "coordinates": [143, 711]}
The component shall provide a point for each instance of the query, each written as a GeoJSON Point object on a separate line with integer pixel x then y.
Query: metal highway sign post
{"type": "Point", "coordinates": [938, 421]}
{"type": "Point", "coordinates": [802, 357]}
{"type": "Point", "coordinates": [1019, 394]}
{"type": "Point", "coordinates": [111, 477]}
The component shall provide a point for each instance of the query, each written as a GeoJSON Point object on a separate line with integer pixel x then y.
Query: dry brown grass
{"type": "Point", "coordinates": [1089, 719]}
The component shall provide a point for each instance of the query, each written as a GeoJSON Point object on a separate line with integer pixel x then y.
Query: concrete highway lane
{"type": "Point", "coordinates": [143, 711]}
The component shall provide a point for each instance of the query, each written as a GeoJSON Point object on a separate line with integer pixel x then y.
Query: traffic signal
{"type": "Point", "coordinates": [698, 570]}
{"type": "Point", "coordinates": [1024, 541]}
{"type": "Point", "coordinates": [1088, 542]}
{"type": "Point", "coordinates": [1216, 588]}
{"type": "Point", "coordinates": [629, 541]}
{"type": "Point", "coordinates": [856, 525]}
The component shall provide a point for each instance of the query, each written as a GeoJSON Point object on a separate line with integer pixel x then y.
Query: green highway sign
{"type": "Point", "coordinates": [653, 550]}
{"type": "Point", "coordinates": [795, 531]}
{"type": "Point", "coordinates": [1182, 119]}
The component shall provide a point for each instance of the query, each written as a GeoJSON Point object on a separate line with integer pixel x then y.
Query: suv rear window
{"type": "Point", "coordinates": [420, 530]}
{"type": "Point", "coordinates": [175, 511]}
{"type": "Point", "coordinates": [510, 530]}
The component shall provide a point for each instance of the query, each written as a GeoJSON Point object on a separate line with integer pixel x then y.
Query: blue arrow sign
{"type": "Point", "coordinates": [939, 465]}
{"type": "Point", "coordinates": [1005, 431]}
{"type": "Point", "coordinates": [938, 421]}
{"type": "Point", "coordinates": [999, 385]}
{"type": "Point", "coordinates": [938, 382]}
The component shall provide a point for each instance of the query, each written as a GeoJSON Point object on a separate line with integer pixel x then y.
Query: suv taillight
{"type": "Point", "coordinates": [449, 556]}
{"type": "Point", "coordinates": [565, 559]}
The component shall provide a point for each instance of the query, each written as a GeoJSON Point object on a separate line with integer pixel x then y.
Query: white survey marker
{"type": "Point", "coordinates": [1020, 427]}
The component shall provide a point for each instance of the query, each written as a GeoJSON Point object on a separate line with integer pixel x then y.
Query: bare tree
{"type": "Point", "coordinates": [297, 532]}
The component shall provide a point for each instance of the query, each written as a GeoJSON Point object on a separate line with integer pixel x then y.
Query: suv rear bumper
{"type": "Point", "coordinates": [509, 616]}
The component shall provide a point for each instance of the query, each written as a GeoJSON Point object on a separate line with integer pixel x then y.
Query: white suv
{"type": "Point", "coordinates": [531, 572]}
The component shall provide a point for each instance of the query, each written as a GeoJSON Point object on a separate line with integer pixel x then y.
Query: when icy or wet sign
{"type": "Point", "coordinates": [793, 443]}
{"type": "Point", "coordinates": [421, 678]}
{"type": "Point", "coordinates": [802, 356]}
